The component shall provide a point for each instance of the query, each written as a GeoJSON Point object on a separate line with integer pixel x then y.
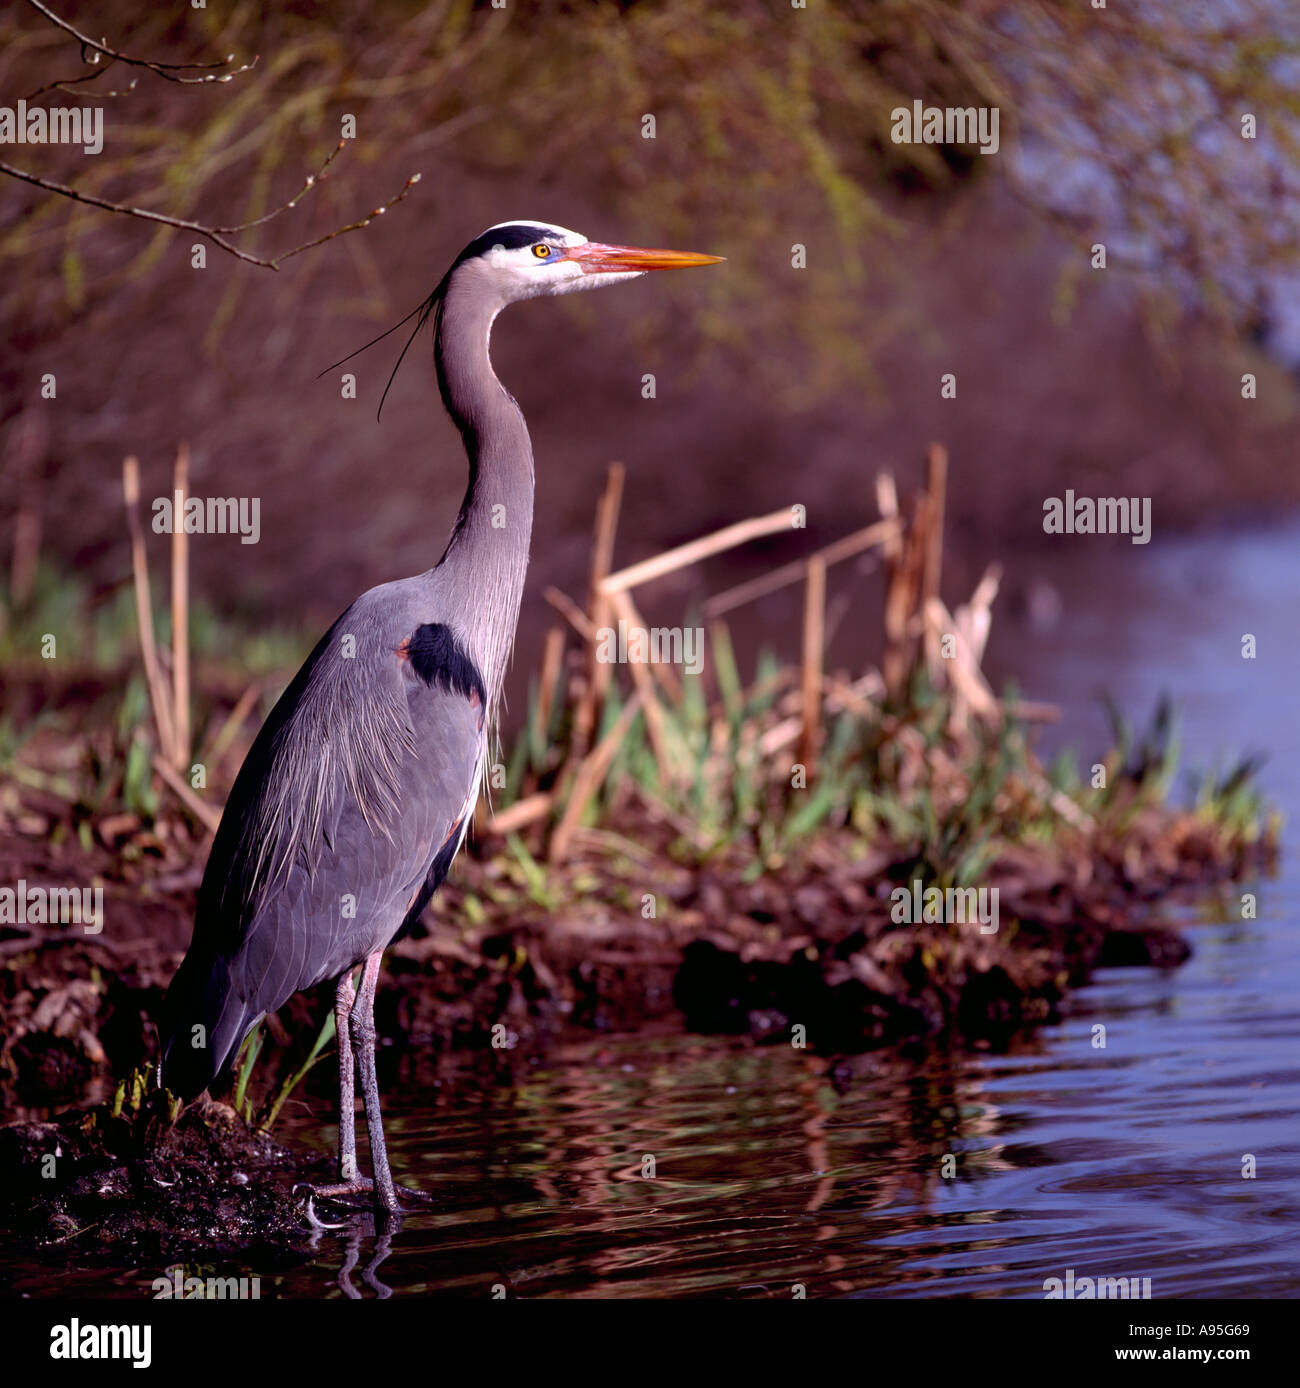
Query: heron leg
{"type": "Point", "coordinates": [344, 999]}
{"type": "Point", "coordinates": [350, 1181]}
{"type": "Point", "coordinates": [354, 1019]}
{"type": "Point", "coordinates": [364, 1027]}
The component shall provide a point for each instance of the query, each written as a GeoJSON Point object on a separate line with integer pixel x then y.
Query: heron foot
{"type": "Point", "coordinates": [359, 1193]}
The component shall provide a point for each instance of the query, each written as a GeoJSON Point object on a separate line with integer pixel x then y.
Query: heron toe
{"type": "Point", "coordinates": [359, 1193]}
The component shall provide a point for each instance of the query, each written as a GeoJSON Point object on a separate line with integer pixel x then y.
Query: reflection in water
{"type": "Point", "coordinates": [364, 1226]}
{"type": "Point", "coordinates": [773, 1170]}
{"type": "Point", "coordinates": [628, 1168]}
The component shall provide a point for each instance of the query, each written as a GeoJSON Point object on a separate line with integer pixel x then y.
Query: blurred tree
{"type": "Point", "coordinates": [771, 126]}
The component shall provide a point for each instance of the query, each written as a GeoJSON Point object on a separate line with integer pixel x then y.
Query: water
{"type": "Point", "coordinates": [771, 1170]}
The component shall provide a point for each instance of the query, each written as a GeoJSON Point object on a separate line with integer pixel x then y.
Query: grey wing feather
{"type": "Point", "coordinates": [361, 775]}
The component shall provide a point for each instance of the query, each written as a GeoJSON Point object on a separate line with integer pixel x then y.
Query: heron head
{"type": "Point", "coordinates": [522, 260]}
{"type": "Point", "coordinates": [525, 259]}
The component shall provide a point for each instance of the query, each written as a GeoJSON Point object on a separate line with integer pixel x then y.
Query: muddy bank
{"type": "Point", "coordinates": [149, 1188]}
{"type": "Point", "coordinates": [622, 935]}
{"type": "Point", "coordinates": [820, 949]}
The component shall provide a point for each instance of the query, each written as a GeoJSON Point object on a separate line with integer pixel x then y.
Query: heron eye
{"type": "Point", "coordinates": [541, 252]}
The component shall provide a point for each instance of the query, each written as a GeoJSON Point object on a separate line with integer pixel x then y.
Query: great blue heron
{"type": "Point", "coordinates": [359, 789]}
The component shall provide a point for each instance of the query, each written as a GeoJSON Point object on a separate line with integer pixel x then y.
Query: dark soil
{"type": "Point", "coordinates": [148, 1188]}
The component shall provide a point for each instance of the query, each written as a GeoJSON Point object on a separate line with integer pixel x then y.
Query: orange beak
{"type": "Point", "coordinates": [596, 259]}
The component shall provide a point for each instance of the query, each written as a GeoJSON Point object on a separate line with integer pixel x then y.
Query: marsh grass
{"type": "Point", "coordinates": [261, 1115]}
{"type": "Point", "coordinates": [937, 764]}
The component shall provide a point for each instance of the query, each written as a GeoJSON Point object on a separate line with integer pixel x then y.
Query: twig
{"type": "Point", "coordinates": [684, 555]}
{"type": "Point", "coordinates": [64, 83]}
{"type": "Point", "coordinates": [590, 774]}
{"type": "Point", "coordinates": [519, 815]}
{"type": "Point", "coordinates": [654, 717]}
{"type": "Point", "coordinates": [877, 533]}
{"type": "Point", "coordinates": [904, 561]}
{"type": "Point", "coordinates": [552, 656]}
{"type": "Point", "coordinates": [209, 817]}
{"type": "Point", "coordinates": [661, 670]}
{"type": "Point", "coordinates": [969, 687]}
{"type": "Point", "coordinates": [216, 749]}
{"type": "Point", "coordinates": [814, 613]}
{"type": "Point", "coordinates": [144, 608]}
{"type": "Point", "coordinates": [571, 612]}
{"type": "Point", "coordinates": [887, 501]}
{"type": "Point", "coordinates": [307, 185]}
{"type": "Point", "coordinates": [166, 71]}
{"type": "Point", "coordinates": [936, 488]}
{"type": "Point", "coordinates": [980, 608]}
{"type": "Point", "coordinates": [181, 609]}
{"type": "Point", "coordinates": [602, 556]}
{"type": "Point", "coordinates": [208, 233]}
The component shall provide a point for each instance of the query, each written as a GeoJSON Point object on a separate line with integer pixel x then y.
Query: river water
{"type": "Point", "coordinates": [670, 1166]}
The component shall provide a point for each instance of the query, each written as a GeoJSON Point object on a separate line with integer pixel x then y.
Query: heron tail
{"type": "Point", "coordinates": [203, 1026]}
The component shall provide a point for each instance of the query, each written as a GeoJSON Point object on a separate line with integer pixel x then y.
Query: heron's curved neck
{"type": "Point", "coordinates": [487, 555]}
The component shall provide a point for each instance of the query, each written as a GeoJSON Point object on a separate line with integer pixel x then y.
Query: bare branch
{"type": "Point", "coordinates": [215, 234]}
{"type": "Point", "coordinates": [167, 71]}
{"type": "Point", "coordinates": [351, 226]}
{"type": "Point", "coordinates": [308, 184]}
{"type": "Point", "coordinates": [65, 83]}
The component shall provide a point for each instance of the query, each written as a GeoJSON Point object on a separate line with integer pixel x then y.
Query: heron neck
{"type": "Point", "coordinates": [487, 555]}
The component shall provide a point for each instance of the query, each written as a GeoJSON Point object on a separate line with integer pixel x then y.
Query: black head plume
{"type": "Point", "coordinates": [423, 310]}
